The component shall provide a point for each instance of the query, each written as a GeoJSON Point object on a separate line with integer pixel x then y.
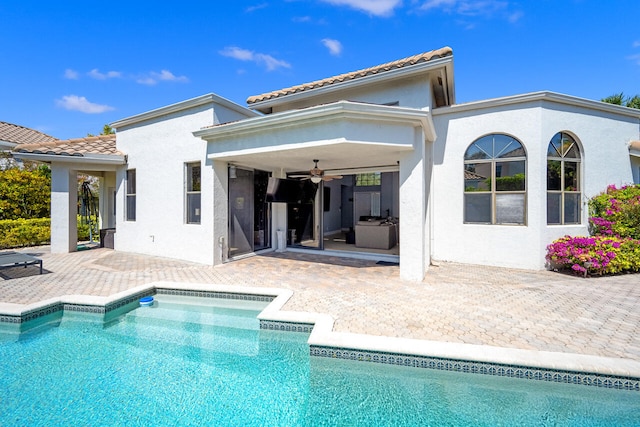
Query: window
{"type": "Point", "coordinates": [367, 179]}
{"type": "Point", "coordinates": [494, 181]}
{"type": "Point", "coordinates": [563, 180]}
{"type": "Point", "coordinates": [131, 195]}
{"type": "Point", "coordinates": [192, 198]}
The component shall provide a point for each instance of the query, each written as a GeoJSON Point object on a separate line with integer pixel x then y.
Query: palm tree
{"type": "Point", "coordinates": [620, 99]}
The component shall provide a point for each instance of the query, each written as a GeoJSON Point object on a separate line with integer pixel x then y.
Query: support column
{"type": "Point", "coordinates": [220, 212]}
{"type": "Point", "coordinates": [64, 206]}
{"type": "Point", "coordinates": [414, 233]}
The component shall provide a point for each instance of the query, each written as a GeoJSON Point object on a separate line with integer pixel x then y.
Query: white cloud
{"type": "Point", "coordinates": [374, 7]}
{"type": "Point", "coordinates": [71, 74]}
{"type": "Point", "coordinates": [96, 74]}
{"type": "Point", "coordinates": [334, 46]}
{"type": "Point", "coordinates": [82, 104]}
{"type": "Point", "coordinates": [256, 7]}
{"type": "Point", "coordinates": [636, 43]}
{"type": "Point", "coordinates": [635, 58]}
{"type": "Point", "coordinates": [154, 77]}
{"type": "Point", "coordinates": [473, 8]}
{"type": "Point", "coordinates": [301, 19]}
{"type": "Point", "coordinates": [268, 61]}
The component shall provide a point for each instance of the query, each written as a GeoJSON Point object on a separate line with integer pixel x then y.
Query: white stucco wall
{"type": "Point", "coordinates": [158, 150]}
{"type": "Point", "coordinates": [603, 138]}
{"type": "Point", "coordinates": [411, 93]}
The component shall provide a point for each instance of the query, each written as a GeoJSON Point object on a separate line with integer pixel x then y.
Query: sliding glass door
{"type": "Point", "coordinates": [249, 215]}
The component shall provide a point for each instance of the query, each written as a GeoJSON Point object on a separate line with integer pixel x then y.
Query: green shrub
{"type": "Point", "coordinates": [16, 233]}
{"type": "Point", "coordinates": [25, 193]}
{"type": "Point", "coordinates": [24, 232]}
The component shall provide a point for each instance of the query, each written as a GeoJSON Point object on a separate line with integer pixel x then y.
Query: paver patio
{"type": "Point", "coordinates": [529, 310]}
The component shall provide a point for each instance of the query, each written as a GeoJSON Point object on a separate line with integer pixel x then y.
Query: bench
{"type": "Point", "coordinates": [16, 259]}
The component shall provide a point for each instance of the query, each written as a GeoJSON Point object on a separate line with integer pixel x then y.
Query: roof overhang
{"type": "Point", "coordinates": [93, 161]}
{"type": "Point", "coordinates": [540, 96]}
{"type": "Point", "coordinates": [634, 148]}
{"type": "Point", "coordinates": [442, 67]}
{"type": "Point", "coordinates": [343, 135]}
{"type": "Point", "coordinates": [210, 98]}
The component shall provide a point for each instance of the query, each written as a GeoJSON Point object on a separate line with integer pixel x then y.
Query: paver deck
{"type": "Point", "coordinates": [456, 303]}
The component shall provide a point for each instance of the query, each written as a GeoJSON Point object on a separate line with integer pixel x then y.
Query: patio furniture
{"type": "Point", "coordinates": [15, 259]}
{"type": "Point", "coordinates": [375, 234]}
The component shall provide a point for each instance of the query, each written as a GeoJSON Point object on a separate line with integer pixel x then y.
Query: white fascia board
{"type": "Point", "coordinates": [398, 73]}
{"type": "Point", "coordinates": [104, 159]}
{"type": "Point", "coordinates": [4, 145]}
{"type": "Point", "coordinates": [336, 110]}
{"type": "Point", "coordinates": [210, 98]}
{"type": "Point", "coordinates": [634, 152]}
{"type": "Point", "coordinates": [539, 96]}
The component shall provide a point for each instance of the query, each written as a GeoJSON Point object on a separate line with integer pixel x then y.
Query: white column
{"type": "Point", "coordinates": [414, 230]}
{"type": "Point", "coordinates": [278, 217]}
{"type": "Point", "coordinates": [64, 202]}
{"type": "Point", "coordinates": [220, 212]}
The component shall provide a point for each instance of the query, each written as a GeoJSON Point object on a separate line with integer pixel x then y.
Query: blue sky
{"type": "Point", "coordinates": [69, 67]}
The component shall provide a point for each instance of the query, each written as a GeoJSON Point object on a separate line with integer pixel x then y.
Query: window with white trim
{"type": "Point", "coordinates": [192, 190]}
{"type": "Point", "coordinates": [131, 195]}
{"type": "Point", "coordinates": [563, 180]}
{"type": "Point", "coordinates": [495, 181]}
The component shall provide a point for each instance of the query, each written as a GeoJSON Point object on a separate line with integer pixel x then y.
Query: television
{"type": "Point", "coordinates": [281, 190]}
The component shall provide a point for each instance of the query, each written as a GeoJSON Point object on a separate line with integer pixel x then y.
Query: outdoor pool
{"type": "Point", "coordinates": [189, 361]}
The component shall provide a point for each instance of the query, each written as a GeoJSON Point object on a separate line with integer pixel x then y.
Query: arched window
{"type": "Point", "coordinates": [563, 180]}
{"type": "Point", "coordinates": [495, 181]}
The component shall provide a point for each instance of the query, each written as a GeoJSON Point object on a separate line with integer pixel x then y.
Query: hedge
{"type": "Point", "coordinates": [16, 233]}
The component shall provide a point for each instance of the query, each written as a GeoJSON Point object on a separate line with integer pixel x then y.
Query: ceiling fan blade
{"type": "Point", "coordinates": [330, 177]}
{"type": "Point", "coordinates": [299, 176]}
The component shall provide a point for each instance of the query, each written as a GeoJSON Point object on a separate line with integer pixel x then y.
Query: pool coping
{"type": "Point", "coordinates": [323, 341]}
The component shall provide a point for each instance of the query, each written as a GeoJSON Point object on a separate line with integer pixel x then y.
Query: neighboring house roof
{"type": "Point", "coordinates": [88, 147]}
{"type": "Point", "coordinates": [468, 175]}
{"type": "Point", "coordinates": [378, 69]}
{"type": "Point", "coordinates": [12, 135]}
{"type": "Point", "coordinates": [634, 148]}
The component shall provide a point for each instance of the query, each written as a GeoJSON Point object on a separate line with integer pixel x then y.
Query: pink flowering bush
{"type": "Point", "coordinates": [616, 212]}
{"type": "Point", "coordinates": [595, 254]}
{"type": "Point", "coordinates": [614, 246]}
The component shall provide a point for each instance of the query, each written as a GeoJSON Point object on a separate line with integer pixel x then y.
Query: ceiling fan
{"type": "Point", "coordinates": [316, 174]}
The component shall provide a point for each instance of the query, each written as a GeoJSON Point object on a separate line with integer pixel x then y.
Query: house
{"type": "Point", "coordinates": [379, 163]}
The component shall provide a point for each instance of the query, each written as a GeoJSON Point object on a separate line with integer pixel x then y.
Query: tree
{"type": "Point", "coordinates": [621, 99]}
{"type": "Point", "coordinates": [106, 130]}
{"type": "Point", "coordinates": [25, 193]}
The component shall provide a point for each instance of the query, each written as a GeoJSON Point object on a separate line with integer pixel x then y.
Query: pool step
{"type": "Point", "coordinates": [171, 335]}
{"type": "Point", "coordinates": [202, 315]}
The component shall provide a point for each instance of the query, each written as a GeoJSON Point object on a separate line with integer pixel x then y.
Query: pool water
{"type": "Point", "coordinates": [188, 361]}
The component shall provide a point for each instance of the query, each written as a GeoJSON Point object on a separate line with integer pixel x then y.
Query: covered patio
{"type": "Point", "coordinates": [347, 138]}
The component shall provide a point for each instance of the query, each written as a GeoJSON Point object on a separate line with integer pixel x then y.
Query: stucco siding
{"type": "Point", "coordinates": [410, 93]}
{"type": "Point", "coordinates": [603, 139]}
{"type": "Point", "coordinates": [158, 150]}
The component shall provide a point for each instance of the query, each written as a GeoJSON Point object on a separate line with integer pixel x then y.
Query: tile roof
{"type": "Point", "coordinates": [80, 147]}
{"type": "Point", "coordinates": [634, 145]}
{"type": "Point", "coordinates": [405, 62]}
{"type": "Point", "coordinates": [22, 135]}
